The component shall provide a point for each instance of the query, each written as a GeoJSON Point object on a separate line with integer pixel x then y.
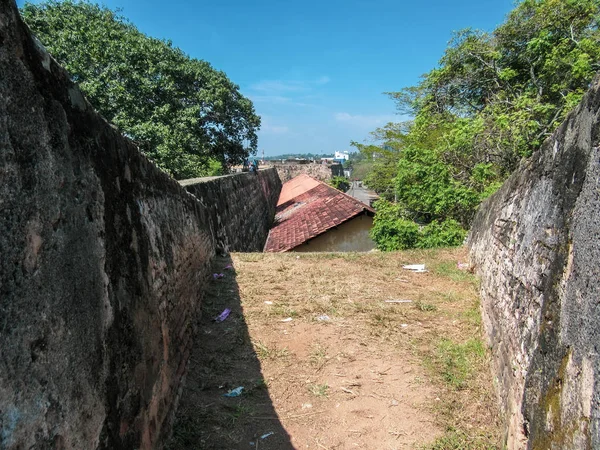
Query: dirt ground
{"type": "Point", "coordinates": [339, 351]}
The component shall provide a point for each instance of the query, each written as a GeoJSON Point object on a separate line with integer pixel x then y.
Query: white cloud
{"type": "Point", "coordinates": [278, 86]}
{"type": "Point", "coordinates": [281, 86]}
{"type": "Point", "coordinates": [279, 100]}
{"type": "Point", "coordinates": [274, 99]}
{"type": "Point", "coordinates": [323, 80]}
{"type": "Point", "coordinates": [365, 120]}
{"type": "Point", "coordinates": [268, 127]}
{"type": "Point", "coordinates": [272, 129]}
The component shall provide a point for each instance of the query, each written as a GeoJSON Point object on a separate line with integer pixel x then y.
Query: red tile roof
{"type": "Point", "coordinates": [295, 187]}
{"type": "Point", "coordinates": [308, 208]}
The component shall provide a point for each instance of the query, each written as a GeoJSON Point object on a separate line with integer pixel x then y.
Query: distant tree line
{"type": "Point", "coordinates": [185, 115]}
{"type": "Point", "coordinates": [492, 101]}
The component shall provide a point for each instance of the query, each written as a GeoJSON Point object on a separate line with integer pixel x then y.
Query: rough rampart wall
{"type": "Point", "coordinates": [536, 245]}
{"type": "Point", "coordinates": [321, 172]}
{"type": "Point", "coordinates": [249, 201]}
{"type": "Point", "coordinates": [103, 262]}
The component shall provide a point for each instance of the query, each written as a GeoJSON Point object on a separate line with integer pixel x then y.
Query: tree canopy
{"type": "Point", "coordinates": [340, 183]}
{"type": "Point", "coordinates": [492, 101]}
{"type": "Point", "coordinates": [185, 115]}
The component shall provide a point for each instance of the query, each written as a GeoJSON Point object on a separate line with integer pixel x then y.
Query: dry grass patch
{"type": "Point", "coordinates": [351, 369]}
{"type": "Point", "coordinates": [440, 329]}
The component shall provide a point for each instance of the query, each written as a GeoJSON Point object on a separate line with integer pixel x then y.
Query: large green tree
{"type": "Point", "coordinates": [186, 116]}
{"type": "Point", "coordinates": [492, 100]}
{"type": "Point", "coordinates": [517, 84]}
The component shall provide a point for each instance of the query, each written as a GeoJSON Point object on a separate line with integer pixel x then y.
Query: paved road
{"type": "Point", "coordinates": [359, 192]}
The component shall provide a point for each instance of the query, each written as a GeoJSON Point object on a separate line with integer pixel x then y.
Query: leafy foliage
{"type": "Point", "coordinates": [492, 101]}
{"type": "Point", "coordinates": [392, 231]}
{"type": "Point", "coordinates": [517, 83]}
{"type": "Point", "coordinates": [448, 233]}
{"type": "Point", "coordinates": [185, 115]}
{"type": "Point", "coordinates": [340, 183]}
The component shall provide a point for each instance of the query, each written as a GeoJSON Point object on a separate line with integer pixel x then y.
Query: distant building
{"type": "Point", "coordinates": [312, 216]}
{"type": "Point", "coordinates": [341, 156]}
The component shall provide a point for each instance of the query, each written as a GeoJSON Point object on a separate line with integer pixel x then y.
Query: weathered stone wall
{"type": "Point", "coordinates": [242, 221]}
{"type": "Point", "coordinates": [321, 172]}
{"type": "Point", "coordinates": [103, 260]}
{"type": "Point", "coordinates": [536, 245]}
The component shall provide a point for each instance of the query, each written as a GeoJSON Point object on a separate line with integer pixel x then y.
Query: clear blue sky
{"type": "Point", "coordinates": [316, 70]}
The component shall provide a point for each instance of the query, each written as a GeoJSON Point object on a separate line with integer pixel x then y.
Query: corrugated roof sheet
{"type": "Point", "coordinates": [308, 208]}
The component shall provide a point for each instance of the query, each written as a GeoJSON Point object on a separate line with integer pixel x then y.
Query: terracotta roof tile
{"type": "Point", "coordinates": [308, 208]}
{"type": "Point", "coordinates": [295, 187]}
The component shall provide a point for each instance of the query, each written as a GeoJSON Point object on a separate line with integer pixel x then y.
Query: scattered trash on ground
{"type": "Point", "coordinates": [221, 317]}
{"type": "Point", "coordinates": [289, 319]}
{"type": "Point", "coordinates": [228, 267]}
{"type": "Point", "coordinates": [306, 405]}
{"type": "Point", "coordinates": [218, 276]}
{"type": "Point", "coordinates": [268, 302]}
{"type": "Point", "coordinates": [404, 325]}
{"type": "Point", "coordinates": [418, 268]}
{"type": "Point", "coordinates": [234, 392]}
{"type": "Point", "coordinates": [324, 318]}
{"type": "Point", "coordinates": [398, 301]}
{"type": "Point", "coordinates": [266, 435]}
{"type": "Point", "coordinates": [462, 266]}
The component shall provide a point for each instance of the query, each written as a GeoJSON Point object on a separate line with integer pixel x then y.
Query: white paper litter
{"type": "Point", "coordinates": [415, 267]}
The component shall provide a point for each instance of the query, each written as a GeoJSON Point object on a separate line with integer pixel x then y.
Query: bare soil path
{"type": "Point", "coordinates": [331, 355]}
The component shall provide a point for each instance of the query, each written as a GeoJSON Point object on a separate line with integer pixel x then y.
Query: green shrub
{"type": "Point", "coordinates": [448, 233]}
{"type": "Point", "coordinates": [391, 231]}
{"type": "Point", "coordinates": [340, 183]}
{"type": "Point", "coordinates": [395, 234]}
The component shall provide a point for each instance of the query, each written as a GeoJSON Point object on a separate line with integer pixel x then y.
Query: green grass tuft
{"type": "Point", "coordinates": [448, 269]}
{"type": "Point", "coordinates": [460, 440]}
{"type": "Point", "coordinates": [457, 362]}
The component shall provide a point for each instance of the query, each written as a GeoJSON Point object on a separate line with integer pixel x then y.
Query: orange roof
{"type": "Point", "coordinates": [295, 187]}
{"type": "Point", "coordinates": [315, 208]}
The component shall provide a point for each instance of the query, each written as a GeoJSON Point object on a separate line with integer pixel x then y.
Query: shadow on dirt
{"type": "Point", "coordinates": [223, 359]}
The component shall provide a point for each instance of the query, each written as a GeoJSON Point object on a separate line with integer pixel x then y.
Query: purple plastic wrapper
{"type": "Point", "coordinates": [221, 317]}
